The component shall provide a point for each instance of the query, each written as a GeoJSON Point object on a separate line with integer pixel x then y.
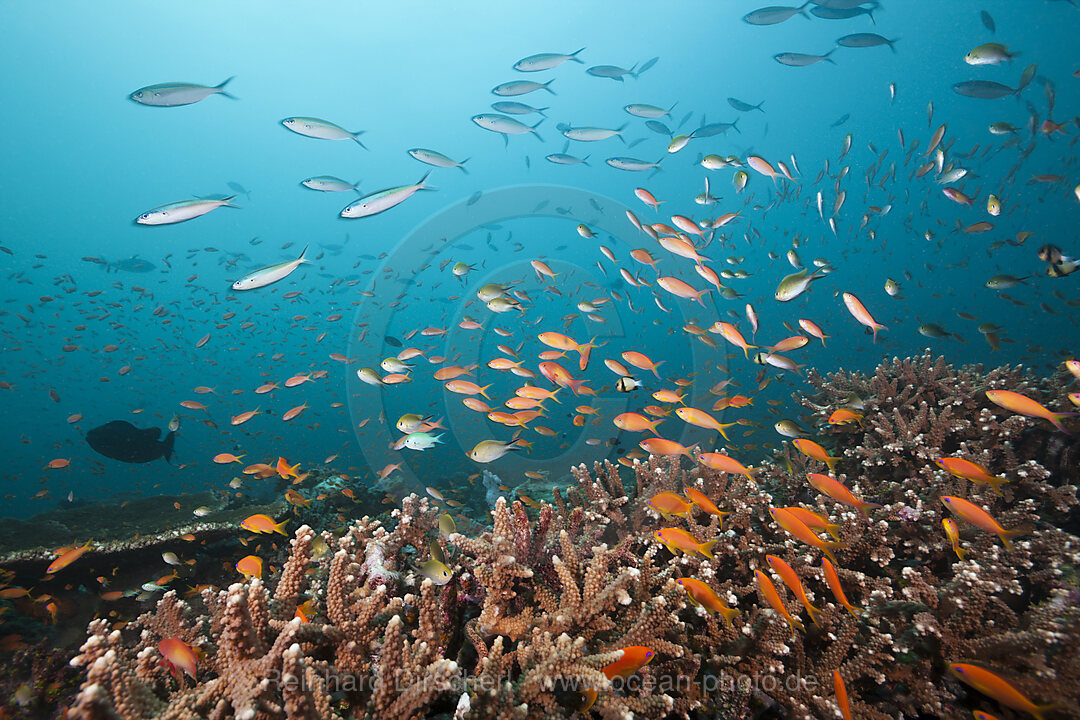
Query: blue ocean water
{"type": "Point", "coordinates": [81, 161]}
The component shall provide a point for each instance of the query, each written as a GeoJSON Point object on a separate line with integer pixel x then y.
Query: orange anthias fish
{"type": "Point", "coordinates": [979, 518]}
{"type": "Point", "coordinates": [263, 524]}
{"type": "Point", "coordinates": [838, 491]}
{"type": "Point", "coordinates": [1024, 405]}
{"type": "Point", "coordinates": [832, 579]}
{"type": "Point", "coordinates": [724, 463]}
{"type": "Point", "coordinates": [633, 659]}
{"type": "Point", "coordinates": [705, 504]}
{"type": "Point", "coordinates": [704, 596]}
{"type": "Point", "coordinates": [768, 591]}
{"type": "Point", "coordinates": [844, 415]}
{"type": "Point", "coordinates": [641, 362]}
{"type": "Point", "coordinates": [800, 531]}
{"type": "Point", "coordinates": [791, 579]}
{"type": "Point", "coordinates": [295, 498]}
{"type": "Point", "coordinates": [285, 470]}
{"type": "Point", "coordinates": [993, 685]}
{"type": "Point", "coordinates": [178, 656]}
{"type": "Point", "coordinates": [660, 446]}
{"type": "Point", "coordinates": [731, 333]}
{"type": "Point", "coordinates": [67, 558]}
{"type": "Point", "coordinates": [250, 566]}
{"type": "Point", "coordinates": [702, 419]}
{"type": "Point", "coordinates": [670, 505]}
{"type": "Point", "coordinates": [812, 450]}
{"type": "Point", "coordinates": [675, 539]}
{"type": "Point", "coordinates": [841, 695]}
{"type": "Point", "coordinates": [860, 313]}
{"type": "Point", "coordinates": [971, 471]}
{"type": "Point", "coordinates": [953, 533]}
{"type": "Point", "coordinates": [814, 520]}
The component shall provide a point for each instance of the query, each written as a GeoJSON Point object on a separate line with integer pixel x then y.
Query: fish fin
{"type": "Point", "coordinates": [227, 202]}
{"type": "Point", "coordinates": [279, 527]}
{"type": "Point", "coordinates": [547, 86]}
{"type": "Point", "coordinates": [168, 443]}
{"type": "Point", "coordinates": [303, 256]}
{"type": "Point", "coordinates": [461, 166]}
{"type": "Point", "coordinates": [574, 56]}
{"type": "Point", "coordinates": [828, 547]}
{"type": "Point", "coordinates": [864, 505]}
{"type": "Point", "coordinates": [813, 612]}
{"type": "Point", "coordinates": [421, 181]}
{"type": "Point", "coordinates": [735, 125]}
{"type": "Point", "coordinates": [1055, 420]}
{"type": "Point", "coordinates": [221, 88]}
{"type": "Point", "coordinates": [890, 43]}
{"type": "Point", "coordinates": [827, 58]}
{"type": "Point", "coordinates": [693, 600]}
{"type": "Point", "coordinates": [707, 548]}
{"type": "Point", "coordinates": [356, 138]}
{"type": "Point", "coordinates": [995, 483]}
{"type": "Point", "coordinates": [729, 615]}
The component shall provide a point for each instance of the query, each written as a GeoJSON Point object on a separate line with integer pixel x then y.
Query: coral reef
{"type": "Point", "coordinates": [541, 607]}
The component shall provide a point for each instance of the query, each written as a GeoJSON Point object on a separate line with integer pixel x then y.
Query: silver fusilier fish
{"type": "Point", "coordinates": [176, 94]}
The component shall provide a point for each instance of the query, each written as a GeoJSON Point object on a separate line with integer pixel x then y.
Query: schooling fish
{"type": "Point", "coordinates": [176, 94]}
{"type": "Point", "coordinates": [270, 274]}
{"type": "Point", "coordinates": [182, 211]}
{"type": "Point", "coordinates": [321, 129]}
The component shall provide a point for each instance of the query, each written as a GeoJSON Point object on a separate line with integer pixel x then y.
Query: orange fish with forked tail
{"type": "Point", "coordinates": [995, 686]}
{"type": "Point", "coordinates": [812, 450]}
{"type": "Point", "coordinates": [768, 591]}
{"type": "Point", "coordinates": [67, 558]}
{"type": "Point", "coordinates": [1024, 405]}
{"type": "Point", "coordinates": [702, 595]}
{"type": "Point", "coordinates": [798, 530]}
{"type": "Point", "coordinates": [979, 518]}
{"type": "Point", "coordinates": [860, 313]}
{"type": "Point", "coordinates": [971, 471]}
{"type": "Point", "coordinates": [675, 539]}
{"type": "Point", "coordinates": [791, 579]}
{"type": "Point", "coordinates": [838, 491]}
{"type": "Point", "coordinates": [660, 446]}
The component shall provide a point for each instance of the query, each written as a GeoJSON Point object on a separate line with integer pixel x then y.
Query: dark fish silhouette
{"type": "Point", "coordinates": [133, 264]}
{"type": "Point", "coordinates": [120, 440]}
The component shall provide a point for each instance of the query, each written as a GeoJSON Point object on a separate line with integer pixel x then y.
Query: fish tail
{"type": "Point", "coordinates": [961, 553]}
{"type": "Point", "coordinates": [574, 56]}
{"type": "Point", "coordinates": [461, 166]}
{"type": "Point", "coordinates": [421, 181]}
{"type": "Point", "coordinates": [707, 548]}
{"type": "Point", "coordinates": [995, 483]}
{"type": "Point", "coordinates": [227, 202]}
{"type": "Point", "coordinates": [813, 612]}
{"type": "Point", "coordinates": [891, 44]}
{"type": "Point", "coordinates": [167, 451]}
{"type": "Point", "coordinates": [828, 547]}
{"type": "Point", "coordinates": [796, 624]}
{"type": "Point", "coordinates": [303, 256]}
{"type": "Point", "coordinates": [356, 138]}
{"type": "Point", "coordinates": [855, 612]}
{"type": "Point", "coordinates": [1055, 419]}
{"type": "Point", "coordinates": [832, 529]}
{"type": "Point", "coordinates": [280, 527]}
{"type": "Point", "coordinates": [547, 85]}
{"type": "Point", "coordinates": [729, 615]}
{"type": "Point", "coordinates": [221, 88]}
{"type": "Point", "coordinates": [829, 59]}
{"type": "Point", "coordinates": [750, 473]}
{"type": "Point", "coordinates": [1007, 535]}
{"type": "Point", "coordinates": [864, 506]}
{"type": "Point", "coordinates": [1039, 710]}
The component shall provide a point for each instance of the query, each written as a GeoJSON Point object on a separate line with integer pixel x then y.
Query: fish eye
{"type": "Point", "coordinates": [649, 654]}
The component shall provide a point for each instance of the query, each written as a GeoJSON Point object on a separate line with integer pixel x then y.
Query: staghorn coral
{"type": "Point", "coordinates": [539, 605]}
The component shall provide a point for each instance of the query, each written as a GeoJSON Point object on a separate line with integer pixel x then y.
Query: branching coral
{"type": "Point", "coordinates": [539, 606]}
